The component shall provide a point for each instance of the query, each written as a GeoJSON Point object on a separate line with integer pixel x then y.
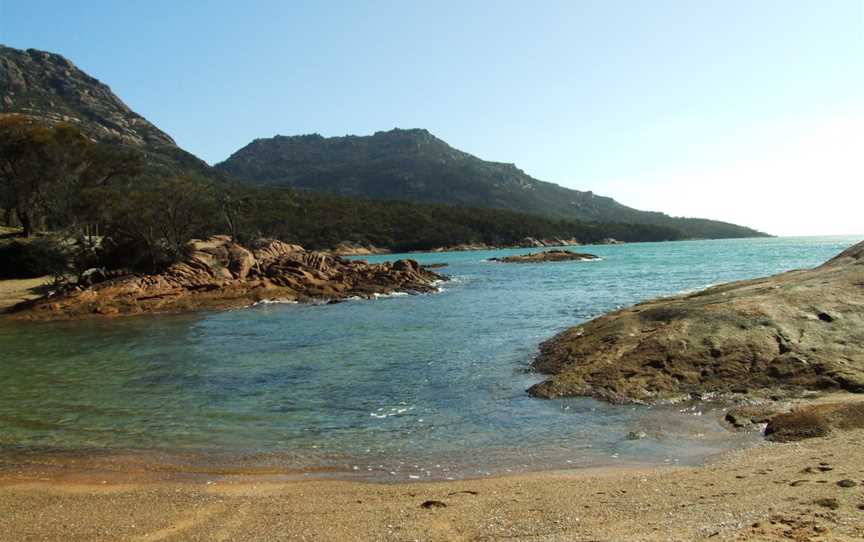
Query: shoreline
{"type": "Point", "coordinates": [767, 492]}
{"type": "Point", "coordinates": [185, 463]}
{"type": "Point", "coordinates": [172, 466]}
{"type": "Point", "coordinates": [157, 466]}
{"type": "Point", "coordinates": [133, 468]}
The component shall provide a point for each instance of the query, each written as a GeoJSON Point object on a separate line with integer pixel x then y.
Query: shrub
{"type": "Point", "coordinates": [35, 258]}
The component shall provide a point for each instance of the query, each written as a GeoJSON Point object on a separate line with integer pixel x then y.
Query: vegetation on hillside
{"type": "Point", "coordinates": [447, 187]}
{"type": "Point", "coordinates": [48, 174]}
{"type": "Point", "coordinates": [321, 220]}
{"type": "Point", "coordinates": [414, 165]}
{"type": "Point", "coordinates": [105, 208]}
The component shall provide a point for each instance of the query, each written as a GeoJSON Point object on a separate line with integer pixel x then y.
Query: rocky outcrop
{"type": "Point", "coordinates": [220, 274]}
{"type": "Point", "coordinates": [775, 337]}
{"type": "Point", "coordinates": [465, 247]}
{"type": "Point", "coordinates": [530, 242]}
{"type": "Point", "coordinates": [353, 249]}
{"type": "Point", "coordinates": [546, 256]}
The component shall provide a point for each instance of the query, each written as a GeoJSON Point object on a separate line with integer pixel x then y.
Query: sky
{"type": "Point", "coordinates": [741, 110]}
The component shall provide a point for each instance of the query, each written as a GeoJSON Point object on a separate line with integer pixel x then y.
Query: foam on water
{"type": "Point", "coordinates": [274, 302]}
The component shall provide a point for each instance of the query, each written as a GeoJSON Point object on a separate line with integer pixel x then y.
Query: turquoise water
{"type": "Point", "coordinates": [428, 386]}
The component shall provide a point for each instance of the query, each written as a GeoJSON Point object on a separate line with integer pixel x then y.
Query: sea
{"type": "Point", "coordinates": [399, 388]}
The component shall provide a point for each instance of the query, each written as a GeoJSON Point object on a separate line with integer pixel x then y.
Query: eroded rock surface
{"type": "Point", "coordinates": [775, 337]}
{"type": "Point", "coordinates": [220, 274]}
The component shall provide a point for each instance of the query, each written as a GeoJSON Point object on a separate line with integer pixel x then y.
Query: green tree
{"type": "Point", "coordinates": [46, 172]}
{"type": "Point", "coordinates": [163, 215]}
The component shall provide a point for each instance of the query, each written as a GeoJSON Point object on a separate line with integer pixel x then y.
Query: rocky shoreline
{"type": "Point", "coordinates": [547, 256]}
{"type": "Point", "coordinates": [221, 274]}
{"type": "Point", "coordinates": [353, 249]}
{"type": "Point", "coordinates": [528, 242]}
{"type": "Point", "coordinates": [768, 338]}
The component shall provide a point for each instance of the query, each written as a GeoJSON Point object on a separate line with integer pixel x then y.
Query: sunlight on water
{"type": "Point", "coordinates": [405, 387]}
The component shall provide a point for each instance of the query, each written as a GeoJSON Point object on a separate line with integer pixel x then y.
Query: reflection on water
{"type": "Point", "coordinates": [410, 386]}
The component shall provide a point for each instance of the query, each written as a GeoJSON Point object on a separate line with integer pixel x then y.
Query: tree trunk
{"type": "Point", "coordinates": [26, 222]}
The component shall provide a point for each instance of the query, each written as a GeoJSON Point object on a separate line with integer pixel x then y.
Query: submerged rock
{"type": "Point", "coordinates": [546, 256]}
{"type": "Point", "coordinates": [776, 336]}
{"type": "Point", "coordinates": [219, 273]}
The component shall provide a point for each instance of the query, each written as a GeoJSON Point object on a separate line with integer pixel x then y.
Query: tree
{"type": "Point", "coordinates": [21, 145]}
{"type": "Point", "coordinates": [47, 171]}
{"type": "Point", "coordinates": [235, 205]}
{"type": "Point", "coordinates": [163, 216]}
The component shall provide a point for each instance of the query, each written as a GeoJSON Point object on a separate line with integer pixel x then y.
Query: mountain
{"type": "Point", "coordinates": [407, 165]}
{"type": "Point", "coordinates": [414, 165]}
{"type": "Point", "coordinates": [49, 87]}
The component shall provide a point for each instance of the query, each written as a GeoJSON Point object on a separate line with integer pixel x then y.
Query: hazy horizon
{"type": "Point", "coordinates": [745, 112]}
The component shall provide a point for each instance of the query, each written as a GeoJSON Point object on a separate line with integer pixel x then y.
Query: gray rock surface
{"type": "Point", "coordinates": [774, 337]}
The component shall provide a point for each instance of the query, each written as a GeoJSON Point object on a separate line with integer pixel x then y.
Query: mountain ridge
{"type": "Point", "coordinates": [49, 87]}
{"type": "Point", "coordinates": [414, 165]}
{"type": "Point", "coordinates": [401, 164]}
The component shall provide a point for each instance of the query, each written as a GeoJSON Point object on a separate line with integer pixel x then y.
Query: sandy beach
{"type": "Point", "coordinates": [16, 291]}
{"type": "Point", "coordinates": [809, 490]}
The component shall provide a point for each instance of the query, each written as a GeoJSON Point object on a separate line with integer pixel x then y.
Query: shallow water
{"type": "Point", "coordinates": [403, 387]}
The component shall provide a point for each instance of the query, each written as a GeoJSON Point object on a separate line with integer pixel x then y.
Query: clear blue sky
{"type": "Point", "coordinates": [750, 111]}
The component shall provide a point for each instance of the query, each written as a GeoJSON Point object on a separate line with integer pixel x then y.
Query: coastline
{"type": "Point", "coordinates": [805, 490]}
{"type": "Point", "coordinates": [123, 465]}
{"type": "Point", "coordinates": [218, 273]}
{"type": "Point", "coordinates": [769, 492]}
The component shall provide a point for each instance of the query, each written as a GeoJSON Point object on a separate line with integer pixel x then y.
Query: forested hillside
{"type": "Point", "coordinates": [414, 165]}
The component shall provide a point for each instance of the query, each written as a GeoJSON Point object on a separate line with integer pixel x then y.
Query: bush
{"type": "Point", "coordinates": [34, 258]}
{"type": "Point", "coordinates": [133, 254]}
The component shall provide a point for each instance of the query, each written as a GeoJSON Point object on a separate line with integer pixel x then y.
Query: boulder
{"type": "Point", "coordinates": [240, 261]}
{"type": "Point", "coordinates": [772, 337]}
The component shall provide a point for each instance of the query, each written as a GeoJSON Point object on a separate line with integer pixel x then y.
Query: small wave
{"type": "Point", "coordinates": [392, 294]}
{"type": "Point", "coordinates": [439, 284]}
{"type": "Point", "coordinates": [275, 302]}
{"type": "Point", "coordinates": [688, 291]}
{"type": "Point", "coordinates": [393, 411]}
{"type": "Point", "coordinates": [598, 259]}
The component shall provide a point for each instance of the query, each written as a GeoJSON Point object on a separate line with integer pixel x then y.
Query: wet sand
{"type": "Point", "coordinates": [809, 490]}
